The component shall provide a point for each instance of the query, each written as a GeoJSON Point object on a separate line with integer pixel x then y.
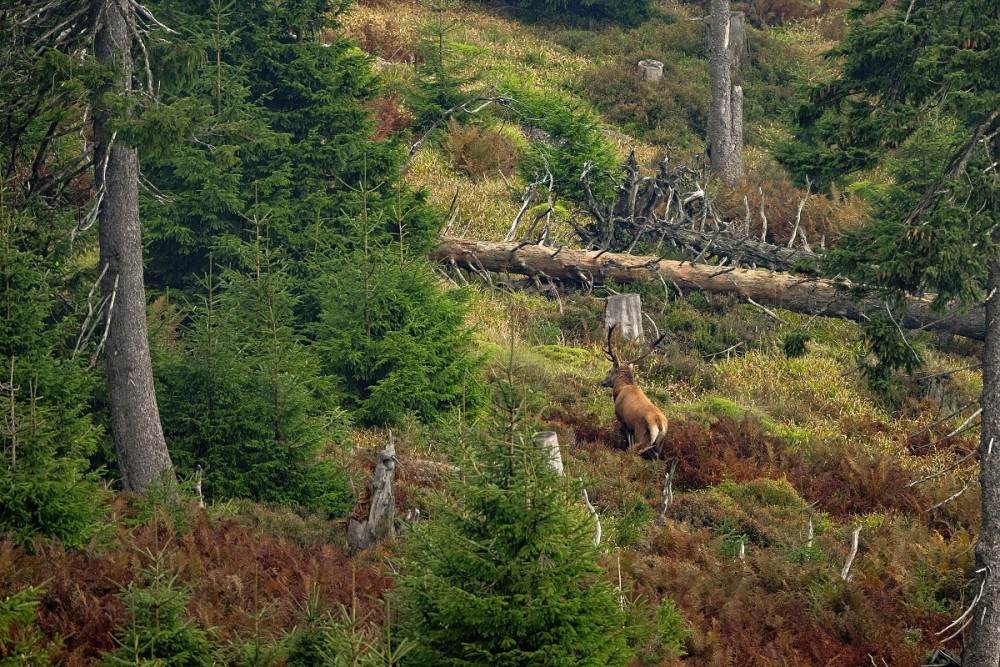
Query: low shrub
{"type": "Point", "coordinates": [480, 152]}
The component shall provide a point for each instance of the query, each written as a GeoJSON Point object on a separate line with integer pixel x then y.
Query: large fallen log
{"type": "Point", "coordinates": [783, 290]}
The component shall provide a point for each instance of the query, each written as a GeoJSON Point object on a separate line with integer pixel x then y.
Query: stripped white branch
{"type": "Point", "coordinates": [943, 471]}
{"type": "Point", "coordinates": [963, 621]}
{"type": "Point", "coordinates": [668, 488]}
{"type": "Point", "coordinates": [107, 323]}
{"type": "Point", "coordinates": [968, 485]}
{"type": "Point", "coordinates": [845, 574]}
{"type": "Point", "coordinates": [597, 519]}
{"type": "Point", "coordinates": [84, 336]}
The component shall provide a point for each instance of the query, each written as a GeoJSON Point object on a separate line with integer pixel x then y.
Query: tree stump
{"type": "Point", "coordinates": [548, 442]}
{"type": "Point", "coordinates": [378, 527]}
{"type": "Point", "coordinates": [625, 310]}
{"type": "Point", "coordinates": [649, 71]}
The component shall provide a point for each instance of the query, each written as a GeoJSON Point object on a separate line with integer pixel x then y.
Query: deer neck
{"type": "Point", "coordinates": [622, 380]}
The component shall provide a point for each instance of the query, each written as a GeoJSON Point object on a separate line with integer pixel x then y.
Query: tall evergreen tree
{"type": "Point", "coordinates": [918, 96]}
{"type": "Point", "coordinates": [509, 575]}
{"type": "Point", "coordinates": [397, 342]}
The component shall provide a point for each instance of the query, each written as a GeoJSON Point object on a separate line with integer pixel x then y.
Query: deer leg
{"type": "Point", "coordinates": [644, 441]}
{"type": "Point", "coordinates": [625, 436]}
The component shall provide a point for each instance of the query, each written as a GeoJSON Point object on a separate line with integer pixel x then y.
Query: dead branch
{"type": "Point", "coordinates": [845, 574]}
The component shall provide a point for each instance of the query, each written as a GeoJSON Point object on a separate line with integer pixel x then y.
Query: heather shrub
{"type": "Point", "coordinates": [480, 152]}
{"type": "Point", "coordinates": [673, 110]}
{"type": "Point", "coordinates": [627, 12]}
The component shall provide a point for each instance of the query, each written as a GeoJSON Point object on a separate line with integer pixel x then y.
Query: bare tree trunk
{"type": "Point", "coordinates": [548, 442]}
{"type": "Point", "coordinates": [983, 647]}
{"type": "Point", "coordinates": [783, 290]}
{"type": "Point", "coordinates": [135, 416]}
{"type": "Point", "coordinates": [625, 310]}
{"type": "Point", "coordinates": [726, 154]}
{"type": "Point", "coordinates": [377, 526]}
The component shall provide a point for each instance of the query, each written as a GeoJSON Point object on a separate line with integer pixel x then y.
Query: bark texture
{"type": "Point", "coordinates": [783, 290]}
{"type": "Point", "coordinates": [378, 525]}
{"type": "Point", "coordinates": [625, 310]}
{"type": "Point", "coordinates": [548, 442]}
{"type": "Point", "coordinates": [739, 48]}
{"type": "Point", "coordinates": [983, 646]}
{"type": "Point", "coordinates": [135, 417]}
{"type": "Point", "coordinates": [725, 116]}
{"type": "Point", "coordinates": [649, 71]}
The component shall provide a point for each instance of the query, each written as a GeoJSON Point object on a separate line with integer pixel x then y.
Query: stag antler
{"type": "Point", "coordinates": [610, 353]}
{"type": "Point", "coordinates": [651, 348]}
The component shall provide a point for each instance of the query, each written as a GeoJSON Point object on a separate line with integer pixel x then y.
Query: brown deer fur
{"type": "Point", "coordinates": [638, 418]}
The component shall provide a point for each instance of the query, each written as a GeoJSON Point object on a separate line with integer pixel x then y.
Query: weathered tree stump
{"type": "Point", "coordinates": [625, 310]}
{"type": "Point", "coordinates": [378, 527]}
{"type": "Point", "coordinates": [548, 442]}
{"type": "Point", "coordinates": [649, 71]}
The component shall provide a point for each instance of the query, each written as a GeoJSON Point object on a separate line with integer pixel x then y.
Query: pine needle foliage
{"type": "Point", "coordinates": [915, 105]}
{"type": "Point", "coordinates": [158, 630]}
{"type": "Point", "coordinates": [21, 644]}
{"type": "Point", "coordinates": [46, 435]}
{"type": "Point", "coordinates": [507, 573]}
{"type": "Point", "coordinates": [441, 75]}
{"type": "Point", "coordinates": [342, 638]}
{"type": "Point", "coordinates": [244, 396]}
{"type": "Point", "coordinates": [397, 341]}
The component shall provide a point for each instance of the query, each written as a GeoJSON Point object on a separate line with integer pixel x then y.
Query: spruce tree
{"type": "Point", "coordinates": [244, 396]}
{"type": "Point", "coordinates": [46, 434]}
{"type": "Point", "coordinates": [440, 75]}
{"type": "Point", "coordinates": [398, 343]}
{"type": "Point", "coordinates": [507, 572]}
{"type": "Point", "coordinates": [918, 99]}
{"type": "Point", "coordinates": [157, 629]}
{"type": "Point", "coordinates": [21, 644]}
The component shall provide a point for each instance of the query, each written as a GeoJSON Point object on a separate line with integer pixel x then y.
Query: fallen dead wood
{"type": "Point", "coordinates": [783, 290]}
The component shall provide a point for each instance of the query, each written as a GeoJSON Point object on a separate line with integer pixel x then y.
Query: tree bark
{"type": "Point", "coordinates": [738, 48]}
{"type": "Point", "coordinates": [625, 310]}
{"type": "Point", "coordinates": [649, 71]}
{"type": "Point", "coordinates": [135, 417]}
{"type": "Point", "coordinates": [803, 295]}
{"type": "Point", "coordinates": [548, 442]}
{"type": "Point", "coordinates": [726, 156]}
{"type": "Point", "coordinates": [983, 647]}
{"type": "Point", "coordinates": [378, 525]}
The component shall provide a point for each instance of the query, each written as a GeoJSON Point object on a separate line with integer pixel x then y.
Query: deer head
{"type": "Point", "coordinates": [624, 368]}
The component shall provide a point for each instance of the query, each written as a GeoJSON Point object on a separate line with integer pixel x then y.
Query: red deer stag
{"type": "Point", "coordinates": [641, 422]}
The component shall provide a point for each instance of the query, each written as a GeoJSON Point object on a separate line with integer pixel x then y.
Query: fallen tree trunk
{"type": "Point", "coordinates": [741, 250]}
{"type": "Point", "coordinates": [802, 295]}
